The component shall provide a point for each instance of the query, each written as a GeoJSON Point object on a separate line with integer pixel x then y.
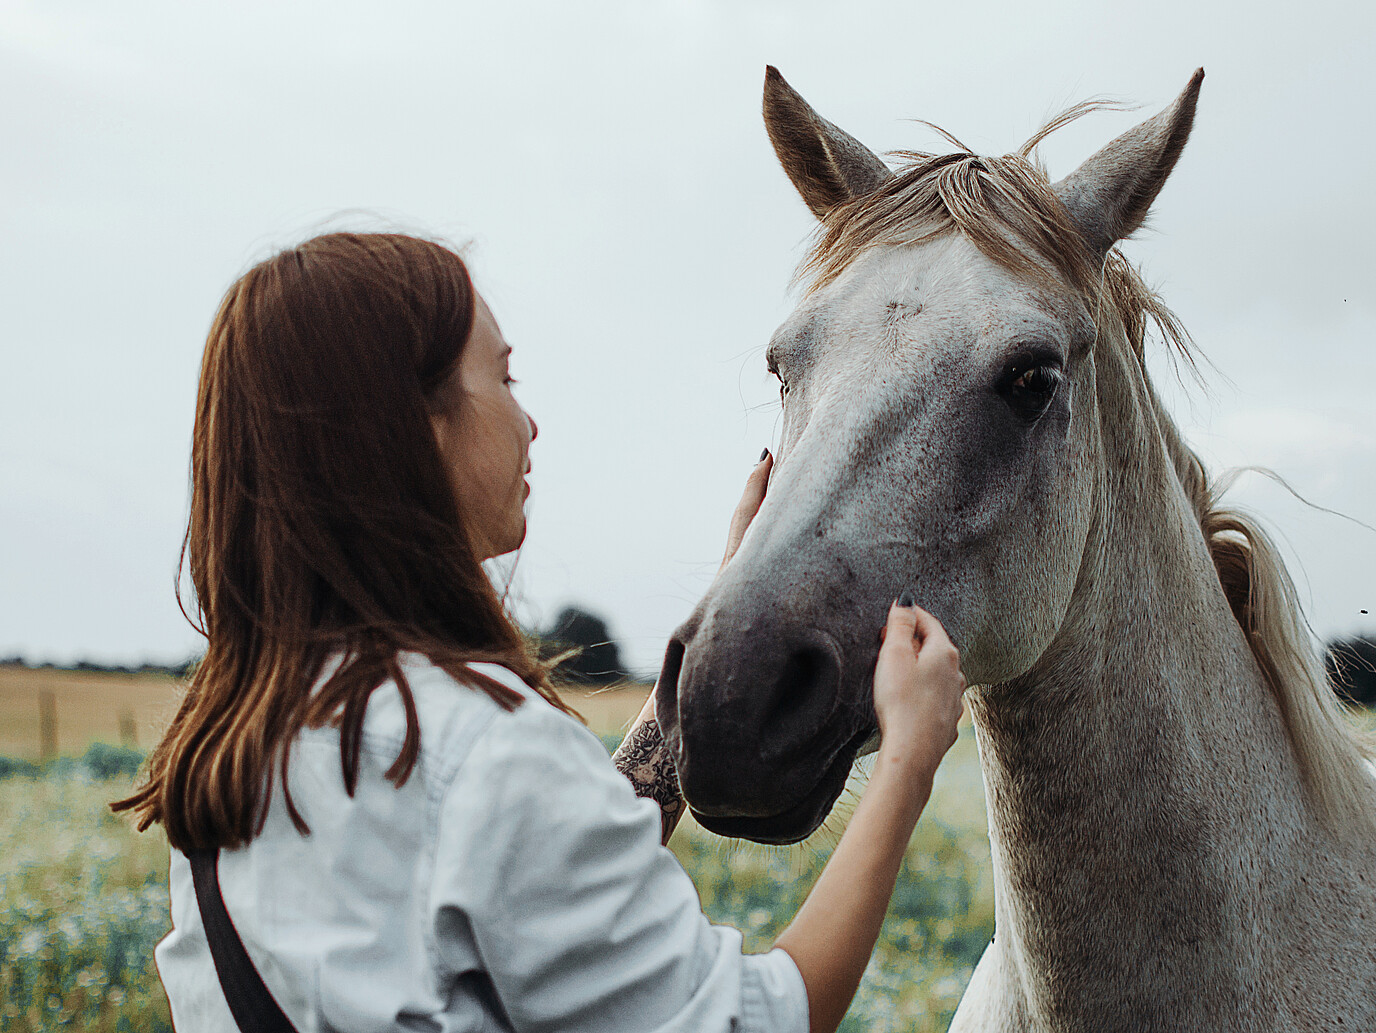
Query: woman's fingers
{"type": "Point", "coordinates": [897, 633]}
{"type": "Point", "coordinates": [937, 653]}
{"type": "Point", "coordinates": [929, 629]}
{"type": "Point", "coordinates": [918, 683]}
{"type": "Point", "coordinates": [751, 499]}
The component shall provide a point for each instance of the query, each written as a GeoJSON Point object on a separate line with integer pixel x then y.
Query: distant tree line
{"type": "Point", "coordinates": [592, 656]}
{"type": "Point", "coordinates": [1351, 668]}
{"type": "Point", "coordinates": [590, 653]}
{"type": "Point", "coordinates": [178, 670]}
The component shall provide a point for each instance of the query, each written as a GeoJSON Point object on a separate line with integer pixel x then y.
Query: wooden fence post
{"type": "Point", "coordinates": [128, 730]}
{"type": "Point", "coordinates": [47, 725]}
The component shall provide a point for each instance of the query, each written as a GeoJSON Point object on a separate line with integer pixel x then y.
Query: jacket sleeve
{"type": "Point", "coordinates": [551, 883]}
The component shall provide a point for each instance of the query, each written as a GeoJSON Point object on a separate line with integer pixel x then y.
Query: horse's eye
{"type": "Point", "coordinates": [1030, 386]}
{"type": "Point", "coordinates": [1037, 380]}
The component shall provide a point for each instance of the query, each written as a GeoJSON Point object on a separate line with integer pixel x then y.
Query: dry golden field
{"type": "Point", "coordinates": [89, 707]}
{"type": "Point", "coordinates": [133, 709]}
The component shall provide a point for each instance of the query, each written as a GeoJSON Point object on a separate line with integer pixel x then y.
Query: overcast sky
{"type": "Point", "coordinates": [635, 237]}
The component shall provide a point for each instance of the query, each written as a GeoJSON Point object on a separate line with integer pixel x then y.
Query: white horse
{"type": "Point", "coordinates": [1183, 826]}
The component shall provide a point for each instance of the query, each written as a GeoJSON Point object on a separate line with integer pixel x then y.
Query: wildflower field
{"type": "Point", "coordinates": [83, 899]}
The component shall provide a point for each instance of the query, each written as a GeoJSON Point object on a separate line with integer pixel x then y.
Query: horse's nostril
{"type": "Point", "coordinates": [803, 668]}
{"type": "Point", "coordinates": [803, 692]}
{"type": "Point", "coordinates": [754, 724]}
{"type": "Point", "coordinates": [666, 689]}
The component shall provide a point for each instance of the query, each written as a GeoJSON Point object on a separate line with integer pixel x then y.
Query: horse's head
{"type": "Point", "coordinates": [941, 432]}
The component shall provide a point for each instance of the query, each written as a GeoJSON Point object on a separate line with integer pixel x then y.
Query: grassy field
{"type": "Point", "coordinates": [83, 898]}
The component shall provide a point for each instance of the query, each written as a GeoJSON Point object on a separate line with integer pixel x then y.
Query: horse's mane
{"type": "Point", "coordinates": [1333, 754]}
{"type": "Point", "coordinates": [1002, 205]}
{"type": "Point", "coordinates": [1006, 208]}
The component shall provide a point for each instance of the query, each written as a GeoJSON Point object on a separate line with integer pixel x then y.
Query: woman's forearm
{"type": "Point", "coordinates": [834, 933]}
{"type": "Point", "coordinates": [644, 758]}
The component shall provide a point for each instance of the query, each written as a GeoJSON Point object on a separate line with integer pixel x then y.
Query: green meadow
{"type": "Point", "coordinates": [83, 900]}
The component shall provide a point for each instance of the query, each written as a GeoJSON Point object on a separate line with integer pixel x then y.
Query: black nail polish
{"type": "Point", "coordinates": [906, 599]}
{"type": "Point", "coordinates": [763, 456]}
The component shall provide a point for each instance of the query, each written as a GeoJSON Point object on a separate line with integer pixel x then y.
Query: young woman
{"type": "Point", "coordinates": [406, 827]}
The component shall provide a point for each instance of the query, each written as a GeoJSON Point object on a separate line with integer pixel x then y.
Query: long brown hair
{"type": "Point", "coordinates": [322, 522]}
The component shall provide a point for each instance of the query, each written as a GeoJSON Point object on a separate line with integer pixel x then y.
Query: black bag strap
{"type": "Point", "coordinates": [250, 1002]}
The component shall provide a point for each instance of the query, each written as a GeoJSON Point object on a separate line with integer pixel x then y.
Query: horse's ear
{"type": "Point", "coordinates": [827, 166]}
{"type": "Point", "coordinates": [1109, 195]}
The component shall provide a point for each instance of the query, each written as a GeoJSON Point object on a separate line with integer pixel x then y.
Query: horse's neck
{"type": "Point", "coordinates": [1136, 771]}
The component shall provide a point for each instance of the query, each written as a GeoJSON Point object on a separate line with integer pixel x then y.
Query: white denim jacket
{"type": "Point", "coordinates": [515, 882]}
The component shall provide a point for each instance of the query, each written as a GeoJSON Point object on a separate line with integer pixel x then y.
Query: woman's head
{"type": "Point", "coordinates": [352, 431]}
{"type": "Point", "coordinates": [357, 453]}
{"type": "Point", "coordinates": [484, 437]}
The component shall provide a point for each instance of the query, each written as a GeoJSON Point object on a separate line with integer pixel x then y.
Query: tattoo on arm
{"type": "Point", "coordinates": [645, 760]}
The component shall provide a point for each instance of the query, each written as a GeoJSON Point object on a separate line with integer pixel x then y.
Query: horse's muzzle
{"type": "Point", "coordinates": [751, 708]}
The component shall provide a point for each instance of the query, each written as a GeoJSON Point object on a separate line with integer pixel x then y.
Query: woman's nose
{"type": "Point", "coordinates": [534, 429]}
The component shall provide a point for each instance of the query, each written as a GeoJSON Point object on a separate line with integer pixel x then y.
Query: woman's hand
{"type": "Point", "coordinates": [755, 487]}
{"type": "Point", "coordinates": [917, 685]}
